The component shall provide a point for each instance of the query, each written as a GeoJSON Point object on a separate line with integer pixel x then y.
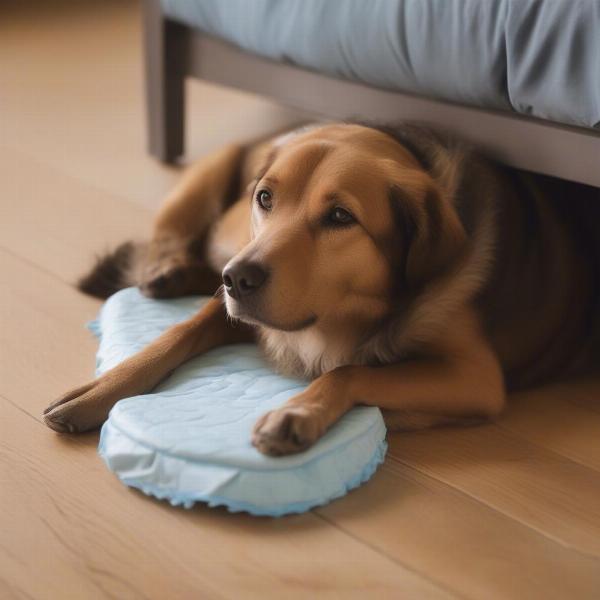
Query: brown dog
{"type": "Point", "coordinates": [393, 267]}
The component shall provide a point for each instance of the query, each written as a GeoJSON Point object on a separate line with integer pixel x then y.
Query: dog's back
{"type": "Point", "coordinates": [541, 299]}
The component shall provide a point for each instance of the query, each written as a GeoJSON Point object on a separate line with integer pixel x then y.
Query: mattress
{"type": "Point", "coordinates": [534, 57]}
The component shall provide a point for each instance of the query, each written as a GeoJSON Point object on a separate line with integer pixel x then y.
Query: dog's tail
{"type": "Point", "coordinates": [112, 272]}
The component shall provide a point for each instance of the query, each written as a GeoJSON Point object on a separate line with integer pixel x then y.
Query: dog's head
{"type": "Point", "coordinates": [345, 221]}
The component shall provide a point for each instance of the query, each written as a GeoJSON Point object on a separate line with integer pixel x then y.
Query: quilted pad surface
{"type": "Point", "coordinates": [189, 440]}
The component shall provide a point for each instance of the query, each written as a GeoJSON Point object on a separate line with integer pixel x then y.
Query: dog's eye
{"type": "Point", "coordinates": [264, 199]}
{"type": "Point", "coordinates": [338, 217]}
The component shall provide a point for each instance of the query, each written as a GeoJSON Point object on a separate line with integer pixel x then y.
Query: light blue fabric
{"type": "Point", "coordinates": [535, 57]}
{"type": "Point", "coordinates": [189, 440]}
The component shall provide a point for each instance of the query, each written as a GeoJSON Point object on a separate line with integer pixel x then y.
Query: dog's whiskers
{"type": "Point", "coordinates": [220, 292]}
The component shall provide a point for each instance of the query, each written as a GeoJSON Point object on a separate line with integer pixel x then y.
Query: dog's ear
{"type": "Point", "coordinates": [432, 238]}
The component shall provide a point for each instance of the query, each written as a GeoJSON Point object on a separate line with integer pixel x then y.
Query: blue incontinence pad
{"type": "Point", "coordinates": [189, 440]}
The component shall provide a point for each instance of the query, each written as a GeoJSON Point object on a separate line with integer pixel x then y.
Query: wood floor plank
{"type": "Point", "coordinates": [554, 495]}
{"type": "Point", "coordinates": [557, 418]}
{"type": "Point", "coordinates": [469, 546]}
{"type": "Point", "coordinates": [42, 335]}
{"type": "Point", "coordinates": [84, 534]}
{"type": "Point", "coordinates": [59, 223]}
{"type": "Point", "coordinates": [589, 399]}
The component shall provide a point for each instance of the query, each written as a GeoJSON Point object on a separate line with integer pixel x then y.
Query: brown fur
{"type": "Point", "coordinates": [459, 279]}
{"type": "Point", "coordinates": [110, 273]}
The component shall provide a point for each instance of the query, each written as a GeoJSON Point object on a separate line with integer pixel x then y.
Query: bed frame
{"type": "Point", "coordinates": [174, 52]}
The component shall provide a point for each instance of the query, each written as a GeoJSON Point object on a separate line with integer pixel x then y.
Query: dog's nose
{"type": "Point", "coordinates": [243, 278]}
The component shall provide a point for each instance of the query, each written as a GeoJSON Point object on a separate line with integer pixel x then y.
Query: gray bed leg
{"type": "Point", "coordinates": [163, 54]}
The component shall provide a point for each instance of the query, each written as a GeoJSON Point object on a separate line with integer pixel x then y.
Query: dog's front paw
{"type": "Point", "coordinates": [163, 281]}
{"type": "Point", "coordinates": [80, 410]}
{"type": "Point", "coordinates": [287, 430]}
{"type": "Point", "coordinates": [176, 276]}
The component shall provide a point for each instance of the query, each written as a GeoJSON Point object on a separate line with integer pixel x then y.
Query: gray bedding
{"type": "Point", "coordinates": [535, 57]}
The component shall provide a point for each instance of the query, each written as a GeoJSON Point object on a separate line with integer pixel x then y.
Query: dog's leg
{"type": "Point", "coordinates": [174, 263]}
{"type": "Point", "coordinates": [87, 407]}
{"type": "Point", "coordinates": [461, 381]}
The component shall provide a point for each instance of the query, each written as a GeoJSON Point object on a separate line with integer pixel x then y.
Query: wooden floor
{"type": "Point", "coordinates": [509, 510]}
